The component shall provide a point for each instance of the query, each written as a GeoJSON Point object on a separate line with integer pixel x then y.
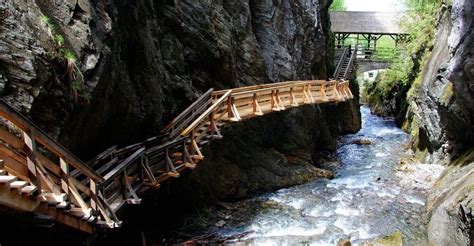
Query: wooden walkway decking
{"type": "Point", "coordinates": [39, 175]}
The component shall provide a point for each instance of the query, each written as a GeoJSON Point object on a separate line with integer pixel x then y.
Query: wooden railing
{"type": "Point", "coordinates": [189, 115]}
{"type": "Point", "coordinates": [340, 62]}
{"type": "Point", "coordinates": [96, 191]}
{"type": "Point", "coordinates": [45, 169]}
{"type": "Point", "coordinates": [352, 57]}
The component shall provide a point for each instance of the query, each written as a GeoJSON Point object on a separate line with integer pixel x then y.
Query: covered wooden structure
{"type": "Point", "coordinates": [368, 26]}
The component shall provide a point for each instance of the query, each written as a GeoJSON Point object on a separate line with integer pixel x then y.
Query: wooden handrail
{"type": "Point", "coordinates": [188, 129]}
{"type": "Point", "coordinates": [183, 116]}
{"type": "Point", "coordinates": [124, 164]}
{"type": "Point", "coordinates": [351, 61]}
{"type": "Point", "coordinates": [26, 125]}
{"type": "Point", "coordinates": [255, 87]}
{"type": "Point", "coordinates": [339, 64]}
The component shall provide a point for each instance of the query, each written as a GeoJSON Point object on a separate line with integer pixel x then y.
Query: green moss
{"type": "Point", "coordinates": [59, 39]}
{"type": "Point", "coordinates": [448, 92]}
{"type": "Point", "coordinates": [45, 20]}
{"type": "Point", "coordinates": [392, 240]}
{"type": "Point", "coordinates": [395, 239]}
{"type": "Point", "coordinates": [414, 128]}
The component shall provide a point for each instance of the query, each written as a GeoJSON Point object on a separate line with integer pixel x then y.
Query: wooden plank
{"type": "Point", "coordinates": [7, 179]}
{"type": "Point", "coordinates": [28, 190]}
{"type": "Point", "coordinates": [18, 184]}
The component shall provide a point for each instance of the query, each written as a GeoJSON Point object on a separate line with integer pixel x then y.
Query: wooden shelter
{"type": "Point", "coordinates": [368, 26]}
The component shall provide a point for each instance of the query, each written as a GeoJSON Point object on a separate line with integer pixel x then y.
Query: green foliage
{"type": "Point", "coordinates": [411, 58]}
{"type": "Point", "coordinates": [45, 20]}
{"type": "Point", "coordinates": [73, 73]}
{"type": "Point", "coordinates": [59, 39]}
{"type": "Point", "coordinates": [338, 5]}
{"type": "Point", "coordinates": [67, 54]}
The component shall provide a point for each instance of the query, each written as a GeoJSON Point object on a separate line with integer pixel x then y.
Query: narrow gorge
{"type": "Point", "coordinates": [317, 168]}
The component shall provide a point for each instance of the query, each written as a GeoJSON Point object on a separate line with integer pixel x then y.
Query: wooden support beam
{"type": "Point", "coordinates": [293, 101]}
{"type": "Point", "coordinates": [256, 106]}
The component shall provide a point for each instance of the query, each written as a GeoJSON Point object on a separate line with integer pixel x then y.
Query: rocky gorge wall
{"type": "Point", "coordinates": [144, 61]}
{"type": "Point", "coordinates": [440, 118]}
{"type": "Point", "coordinates": [442, 115]}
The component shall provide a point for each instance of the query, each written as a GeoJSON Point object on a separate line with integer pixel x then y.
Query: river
{"type": "Point", "coordinates": [363, 201]}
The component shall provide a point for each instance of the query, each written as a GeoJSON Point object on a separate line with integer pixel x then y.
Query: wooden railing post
{"type": "Point", "coordinates": [93, 188]}
{"type": "Point", "coordinates": [30, 149]}
{"type": "Point", "coordinates": [293, 101]}
{"type": "Point", "coordinates": [65, 175]}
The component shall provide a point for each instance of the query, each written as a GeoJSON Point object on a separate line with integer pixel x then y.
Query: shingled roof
{"type": "Point", "coordinates": [366, 22]}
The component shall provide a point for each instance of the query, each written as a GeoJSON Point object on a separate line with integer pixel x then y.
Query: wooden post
{"type": "Point", "coordinates": [309, 94]}
{"type": "Point", "coordinates": [293, 101]}
{"type": "Point", "coordinates": [213, 127]}
{"type": "Point", "coordinates": [195, 147]}
{"type": "Point", "coordinates": [279, 101]}
{"type": "Point", "coordinates": [323, 93]}
{"type": "Point", "coordinates": [93, 188]}
{"type": "Point", "coordinates": [30, 148]}
{"type": "Point", "coordinates": [65, 175]}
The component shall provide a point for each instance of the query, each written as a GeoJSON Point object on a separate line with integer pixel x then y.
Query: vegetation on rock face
{"type": "Point", "coordinates": [390, 90]}
{"type": "Point", "coordinates": [73, 72]}
{"type": "Point", "coordinates": [337, 5]}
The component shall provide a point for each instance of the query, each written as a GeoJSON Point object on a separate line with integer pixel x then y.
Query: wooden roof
{"type": "Point", "coordinates": [366, 22]}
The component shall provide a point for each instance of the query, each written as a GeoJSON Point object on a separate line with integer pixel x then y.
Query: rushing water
{"type": "Point", "coordinates": [363, 201]}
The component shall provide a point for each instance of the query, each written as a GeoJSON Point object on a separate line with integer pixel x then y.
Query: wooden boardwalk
{"type": "Point", "coordinates": [39, 175]}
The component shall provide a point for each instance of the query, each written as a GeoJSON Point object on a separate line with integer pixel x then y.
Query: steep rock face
{"type": "Point", "coordinates": [441, 119]}
{"type": "Point", "coordinates": [442, 112]}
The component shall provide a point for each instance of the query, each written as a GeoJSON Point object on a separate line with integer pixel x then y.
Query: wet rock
{"type": "Point", "coordinates": [451, 205]}
{"type": "Point", "coordinates": [270, 204]}
{"type": "Point", "coordinates": [220, 223]}
{"type": "Point", "coordinates": [362, 142]}
{"type": "Point", "coordinates": [344, 242]}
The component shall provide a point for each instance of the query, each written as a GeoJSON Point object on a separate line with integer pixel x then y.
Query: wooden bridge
{"type": "Point", "coordinates": [38, 175]}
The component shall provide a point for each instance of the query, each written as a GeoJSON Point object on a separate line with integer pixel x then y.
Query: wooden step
{"type": "Point", "coordinates": [176, 155]}
{"type": "Point", "coordinates": [18, 184]}
{"type": "Point", "coordinates": [173, 174]}
{"type": "Point", "coordinates": [78, 212]}
{"type": "Point", "coordinates": [28, 190]}
{"type": "Point", "coordinates": [52, 198]}
{"type": "Point", "coordinates": [63, 205]}
{"type": "Point", "coordinates": [4, 179]}
{"type": "Point", "coordinates": [134, 201]}
{"type": "Point", "coordinates": [189, 165]}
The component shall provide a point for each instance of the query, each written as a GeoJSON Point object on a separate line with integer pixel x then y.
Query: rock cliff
{"type": "Point", "coordinates": [98, 73]}
{"type": "Point", "coordinates": [440, 118]}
